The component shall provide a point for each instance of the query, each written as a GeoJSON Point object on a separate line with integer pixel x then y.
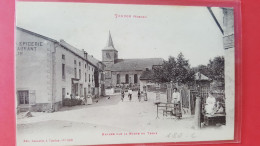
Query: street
{"type": "Point", "coordinates": [111, 116]}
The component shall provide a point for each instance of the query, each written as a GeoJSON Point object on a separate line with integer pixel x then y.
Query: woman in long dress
{"type": "Point", "coordinates": [176, 97]}
{"type": "Point", "coordinates": [210, 104]}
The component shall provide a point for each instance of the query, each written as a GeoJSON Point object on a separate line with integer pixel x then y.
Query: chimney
{"type": "Point", "coordinates": [85, 55]}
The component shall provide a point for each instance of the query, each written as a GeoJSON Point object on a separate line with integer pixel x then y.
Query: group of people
{"type": "Point", "coordinates": [212, 106]}
{"type": "Point", "coordinates": [130, 93]}
{"type": "Point", "coordinates": [87, 100]}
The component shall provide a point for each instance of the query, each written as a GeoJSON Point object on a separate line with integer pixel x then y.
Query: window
{"type": "Point", "coordinates": [75, 62]}
{"type": "Point", "coordinates": [88, 67]}
{"type": "Point", "coordinates": [118, 78]}
{"type": "Point", "coordinates": [135, 78]}
{"type": "Point", "coordinates": [89, 78]}
{"type": "Point", "coordinates": [63, 57]}
{"type": "Point", "coordinates": [85, 77]}
{"type": "Point", "coordinates": [89, 89]}
{"type": "Point", "coordinates": [79, 64]}
{"type": "Point", "coordinates": [126, 78]}
{"type": "Point", "coordinates": [79, 73]}
{"type": "Point", "coordinates": [23, 97]}
{"type": "Point", "coordinates": [85, 65]}
{"type": "Point", "coordinates": [75, 72]}
{"type": "Point", "coordinates": [92, 78]}
{"type": "Point", "coordinates": [63, 71]}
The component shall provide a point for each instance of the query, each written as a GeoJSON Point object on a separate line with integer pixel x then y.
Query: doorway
{"type": "Point", "coordinates": [63, 95]}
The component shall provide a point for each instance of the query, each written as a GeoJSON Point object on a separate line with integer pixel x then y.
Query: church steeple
{"type": "Point", "coordinates": [110, 44]}
{"type": "Point", "coordinates": [109, 53]}
{"type": "Point", "coordinates": [110, 41]}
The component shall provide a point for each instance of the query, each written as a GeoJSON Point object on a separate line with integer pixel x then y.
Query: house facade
{"type": "Point", "coordinates": [47, 70]}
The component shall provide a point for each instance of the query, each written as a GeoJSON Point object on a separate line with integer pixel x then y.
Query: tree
{"type": "Point", "coordinates": [216, 68]}
{"type": "Point", "coordinates": [175, 69]}
{"type": "Point", "coordinates": [202, 69]}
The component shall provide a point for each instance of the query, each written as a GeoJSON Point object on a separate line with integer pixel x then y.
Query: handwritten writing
{"type": "Point", "coordinates": [177, 135]}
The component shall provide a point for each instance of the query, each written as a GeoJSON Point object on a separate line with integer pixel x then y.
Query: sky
{"type": "Point", "coordinates": [165, 31]}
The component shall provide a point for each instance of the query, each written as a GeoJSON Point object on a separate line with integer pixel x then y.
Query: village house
{"type": "Point", "coordinates": [47, 70]}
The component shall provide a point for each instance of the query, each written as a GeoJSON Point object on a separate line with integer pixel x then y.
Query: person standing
{"type": "Point", "coordinates": [122, 95]}
{"type": "Point", "coordinates": [130, 92]}
{"type": "Point", "coordinates": [175, 96]}
{"type": "Point", "coordinates": [176, 103]}
{"type": "Point", "coordinates": [139, 95]}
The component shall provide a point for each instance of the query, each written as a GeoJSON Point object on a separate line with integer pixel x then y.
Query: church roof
{"type": "Point", "coordinates": [135, 64]}
{"type": "Point", "coordinates": [110, 44]}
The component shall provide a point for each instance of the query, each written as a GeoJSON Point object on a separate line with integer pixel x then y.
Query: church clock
{"type": "Point", "coordinates": [108, 55]}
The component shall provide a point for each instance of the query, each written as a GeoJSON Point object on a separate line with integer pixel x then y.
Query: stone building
{"type": "Point", "coordinates": [47, 70]}
{"type": "Point", "coordinates": [125, 72]}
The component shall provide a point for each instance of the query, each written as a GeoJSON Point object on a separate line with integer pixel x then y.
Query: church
{"type": "Point", "coordinates": [124, 72]}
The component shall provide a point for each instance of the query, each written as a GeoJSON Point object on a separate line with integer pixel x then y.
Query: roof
{"type": "Point", "coordinates": [90, 59]}
{"type": "Point", "coordinates": [36, 34]}
{"type": "Point", "coordinates": [135, 64]}
{"type": "Point", "coordinates": [146, 75]}
{"type": "Point", "coordinates": [72, 48]}
{"type": "Point", "coordinates": [110, 44]}
{"type": "Point", "coordinates": [200, 76]}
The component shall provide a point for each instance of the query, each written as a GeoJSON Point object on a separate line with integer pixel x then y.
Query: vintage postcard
{"type": "Point", "coordinates": [89, 74]}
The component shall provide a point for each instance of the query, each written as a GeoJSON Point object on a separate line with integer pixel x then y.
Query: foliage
{"type": "Point", "coordinates": [214, 69]}
{"type": "Point", "coordinates": [72, 102]}
{"type": "Point", "coordinates": [175, 69]}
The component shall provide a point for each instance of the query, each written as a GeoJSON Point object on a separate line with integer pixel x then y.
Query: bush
{"type": "Point", "coordinates": [72, 102]}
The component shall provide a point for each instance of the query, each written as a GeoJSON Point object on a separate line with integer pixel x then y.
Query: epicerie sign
{"type": "Point", "coordinates": [27, 47]}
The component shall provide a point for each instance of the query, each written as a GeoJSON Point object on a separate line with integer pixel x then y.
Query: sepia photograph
{"type": "Point", "coordinates": [93, 74]}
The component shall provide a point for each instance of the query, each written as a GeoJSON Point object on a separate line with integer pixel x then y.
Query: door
{"type": "Point", "coordinates": [63, 95]}
{"type": "Point", "coordinates": [102, 89]}
{"type": "Point", "coordinates": [80, 90]}
{"type": "Point", "coordinates": [85, 92]}
{"type": "Point", "coordinates": [74, 89]}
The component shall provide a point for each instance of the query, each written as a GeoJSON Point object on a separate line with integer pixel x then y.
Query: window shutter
{"type": "Point", "coordinates": [32, 97]}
